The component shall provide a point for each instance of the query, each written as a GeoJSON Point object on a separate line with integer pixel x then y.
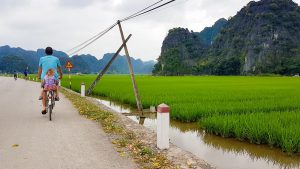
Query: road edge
{"type": "Point", "coordinates": [176, 157]}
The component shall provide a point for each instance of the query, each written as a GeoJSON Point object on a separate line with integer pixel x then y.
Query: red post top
{"type": "Point", "coordinates": [163, 108]}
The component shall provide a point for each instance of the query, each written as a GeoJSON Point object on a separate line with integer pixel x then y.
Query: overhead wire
{"type": "Point", "coordinates": [91, 40]}
{"type": "Point", "coordinates": [142, 13]}
{"type": "Point", "coordinates": [170, 6]}
{"type": "Point", "coordinates": [98, 34]}
{"type": "Point", "coordinates": [142, 10]}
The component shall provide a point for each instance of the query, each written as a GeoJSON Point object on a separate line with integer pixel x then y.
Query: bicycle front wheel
{"type": "Point", "coordinates": [50, 112]}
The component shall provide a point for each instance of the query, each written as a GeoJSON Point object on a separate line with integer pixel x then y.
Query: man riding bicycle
{"type": "Point", "coordinates": [48, 62]}
{"type": "Point", "coordinates": [15, 75]}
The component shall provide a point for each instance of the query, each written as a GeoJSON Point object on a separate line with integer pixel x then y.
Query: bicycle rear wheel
{"type": "Point", "coordinates": [50, 112]}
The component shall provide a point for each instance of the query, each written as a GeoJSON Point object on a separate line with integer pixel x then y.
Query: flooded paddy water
{"type": "Point", "coordinates": [222, 153]}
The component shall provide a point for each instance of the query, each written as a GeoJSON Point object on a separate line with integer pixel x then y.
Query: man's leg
{"type": "Point", "coordinates": [44, 102]}
{"type": "Point", "coordinates": [42, 86]}
{"type": "Point", "coordinates": [57, 91]}
{"type": "Point", "coordinates": [41, 95]}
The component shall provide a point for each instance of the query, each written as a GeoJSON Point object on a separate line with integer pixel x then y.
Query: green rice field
{"type": "Point", "coordinates": [261, 110]}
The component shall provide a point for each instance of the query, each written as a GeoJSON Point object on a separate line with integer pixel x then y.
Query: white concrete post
{"type": "Point", "coordinates": [163, 123]}
{"type": "Point", "coordinates": [82, 90]}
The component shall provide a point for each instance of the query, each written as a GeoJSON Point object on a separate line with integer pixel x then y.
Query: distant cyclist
{"type": "Point", "coordinates": [15, 75]}
{"type": "Point", "coordinates": [25, 73]}
{"type": "Point", "coordinates": [49, 62]}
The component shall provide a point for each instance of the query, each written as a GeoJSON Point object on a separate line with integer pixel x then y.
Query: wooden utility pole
{"type": "Point", "coordinates": [89, 91]}
{"type": "Point", "coordinates": [136, 92]}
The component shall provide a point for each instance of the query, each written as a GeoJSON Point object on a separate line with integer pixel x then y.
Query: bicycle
{"type": "Point", "coordinates": [50, 103]}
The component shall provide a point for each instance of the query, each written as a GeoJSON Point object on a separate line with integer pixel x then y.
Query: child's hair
{"type": "Point", "coordinates": [50, 72]}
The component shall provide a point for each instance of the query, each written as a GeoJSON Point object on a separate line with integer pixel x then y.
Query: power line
{"type": "Point", "coordinates": [141, 10]}
{"type": "Point", "coordinates": [176, 4]}
{"type": "Point", "coordinates": [149, 10]}
{"type": "Point", "coordinates": [98, 35]}
{"type": "Point", "coordinates": [91, 40]}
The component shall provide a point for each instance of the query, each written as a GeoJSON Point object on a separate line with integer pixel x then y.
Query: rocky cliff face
{"type": "Point", "coordinates": [263, 37]}
{"type": "Point", "coordinates": [180, 50]}
{"type": "Point", "coordinates": [190, 43]}
{"type": "Point", "coordinates": [209, 34]}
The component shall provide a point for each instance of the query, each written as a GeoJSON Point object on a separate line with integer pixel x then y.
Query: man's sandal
{"type": "Point", "coordinates": [44, 112]}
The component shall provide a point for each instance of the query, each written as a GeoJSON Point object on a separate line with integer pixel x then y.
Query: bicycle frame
{"type": "Point", "coordinates": [50, 102]}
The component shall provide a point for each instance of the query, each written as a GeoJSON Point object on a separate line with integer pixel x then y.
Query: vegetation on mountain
{"type": "Point", "coordinates": [209, 34]}
{"type": "Point", "coordinates": [261, 110]}
{"type": "Point", "coordinates": [264, 37]}
{"type": "Point", "coordinates": [179, 51]}
{"type": "Point", "coordinates": [13, 63]}
{"type": "Point", "coordinates": [18, 59]}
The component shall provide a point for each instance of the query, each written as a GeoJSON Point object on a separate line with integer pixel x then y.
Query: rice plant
{"type": "Point", "coordinates": [277, 129]}
{"type": "Point", "coordinates": [192, 98]}
{"type": "Point", "coordinates": [261, 110]}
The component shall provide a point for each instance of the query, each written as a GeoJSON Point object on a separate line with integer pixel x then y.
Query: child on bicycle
{"type": "Point", "coordinates": [50, 83]}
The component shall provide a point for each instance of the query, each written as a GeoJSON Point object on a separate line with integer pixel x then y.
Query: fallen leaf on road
{"type": "Point", "coordinates": [15, 145]}
{"type": "Point", "coordinates": [122, 154]}
{"type": "Point", "coordinates": [156, 165]}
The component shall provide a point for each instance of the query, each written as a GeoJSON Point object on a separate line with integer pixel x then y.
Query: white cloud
{"type": "Point", "coordinates": [8, 4]}
{"type": "Point", "coordinates": [33, 24]}
{"type": "Point", "coordinates": [76, 3]}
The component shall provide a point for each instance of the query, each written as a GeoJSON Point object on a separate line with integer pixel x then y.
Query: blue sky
{"type": "Point", "coordinates": [33, 24]}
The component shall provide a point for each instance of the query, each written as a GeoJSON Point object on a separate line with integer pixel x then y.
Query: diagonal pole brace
{"type": "Point", "coordinates": [100, 75]}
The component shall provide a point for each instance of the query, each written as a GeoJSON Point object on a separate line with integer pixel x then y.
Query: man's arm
{"type": "Point", "coordinates": [59, 69]}
{"type": "Point", "coordinates": [39, 72]}
{"type": "Point", "coordinates": [59, 72]}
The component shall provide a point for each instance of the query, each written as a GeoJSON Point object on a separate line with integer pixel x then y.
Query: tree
{"type": "Point", "coordinates": [10, 64]}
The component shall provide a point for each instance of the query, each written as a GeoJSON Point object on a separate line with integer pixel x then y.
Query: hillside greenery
{"type": "Point", "coordinates": [18, 59]}
{"type": "Point", "coordinates": [263, 37]}
{"type": "Point", "coordinates": [261, 110]}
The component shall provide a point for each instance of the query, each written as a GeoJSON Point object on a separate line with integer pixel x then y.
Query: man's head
{"type": "Point", "coordinates": [49, 51]}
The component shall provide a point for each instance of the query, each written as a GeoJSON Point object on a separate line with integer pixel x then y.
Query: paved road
{"type": "Point", "coordinates": [68, 142]}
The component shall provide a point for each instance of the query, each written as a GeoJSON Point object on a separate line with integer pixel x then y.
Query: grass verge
{"type": "Point", "coordinates": [126, 142]}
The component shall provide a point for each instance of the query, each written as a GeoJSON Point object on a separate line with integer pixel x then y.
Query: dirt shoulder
{"type": "Point", "coordinates": [172, 158]}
